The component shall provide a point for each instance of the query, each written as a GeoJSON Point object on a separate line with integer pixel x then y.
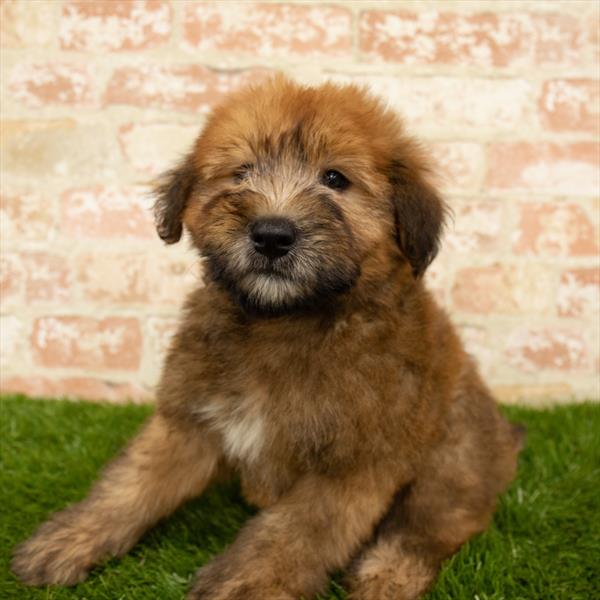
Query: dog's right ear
{"type": "Point", "coordinates": [172, 195]}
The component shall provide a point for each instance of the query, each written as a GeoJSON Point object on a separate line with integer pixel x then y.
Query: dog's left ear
{"type": "Point", "coordinates": [172, 195]}
{"type": "Point", "coordinates": [420, 214]}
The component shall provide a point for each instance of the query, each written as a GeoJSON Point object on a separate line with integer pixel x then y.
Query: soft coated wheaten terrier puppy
{"type": "Point", "coordinates": [312, 363]}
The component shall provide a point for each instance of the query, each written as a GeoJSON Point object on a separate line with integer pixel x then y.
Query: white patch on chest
{"type": "Point", "coordinates": [244, 437]}
{"type": "Point", "coordinates": [240, 424]}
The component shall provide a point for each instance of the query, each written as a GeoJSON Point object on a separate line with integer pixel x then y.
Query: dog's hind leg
{"type": "Point", "coordinates": [452, 499]}
{"type": "Point", "coordinates": [405, 556]}
{"type": "Point", "coordinates": [162, 467]}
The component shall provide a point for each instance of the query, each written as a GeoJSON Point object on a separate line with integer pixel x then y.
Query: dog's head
{"type": "Point", "coordinates": [294, 194]}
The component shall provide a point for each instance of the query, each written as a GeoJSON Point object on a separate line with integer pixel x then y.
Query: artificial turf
{"type": "Point", "coordinates": [544, 543]}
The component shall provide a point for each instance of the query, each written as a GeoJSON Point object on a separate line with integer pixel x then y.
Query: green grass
{"type": "Point", "coordinates": [544, 543]}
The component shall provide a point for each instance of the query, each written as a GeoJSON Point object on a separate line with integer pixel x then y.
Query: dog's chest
{"type": "Point", "coordinates": [241, 424]}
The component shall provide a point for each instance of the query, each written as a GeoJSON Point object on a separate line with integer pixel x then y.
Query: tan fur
{"type": "Point", "coordinates": [328, 379]}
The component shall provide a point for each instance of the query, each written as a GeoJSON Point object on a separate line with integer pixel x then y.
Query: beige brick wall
{"type": "Point", "coordinates": [98, 97]}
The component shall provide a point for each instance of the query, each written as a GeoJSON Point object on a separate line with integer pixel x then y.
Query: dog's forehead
{"type": "Point", "coordinates": [281, 129]}
{"type": "Point", "coordinates": [282, 120]}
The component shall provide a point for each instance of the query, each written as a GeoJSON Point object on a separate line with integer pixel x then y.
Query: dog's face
{"type": "Point", "coordinates": [295, 194]}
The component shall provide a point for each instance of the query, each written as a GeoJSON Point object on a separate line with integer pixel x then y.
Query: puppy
{"type": "Point", "coordinates": [313, 364]}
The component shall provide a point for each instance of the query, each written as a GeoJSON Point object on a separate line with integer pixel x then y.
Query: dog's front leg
{"type": "Point", "coordinates": [287, 551]}
{"type": "Point", "coordinates": [163, 466]}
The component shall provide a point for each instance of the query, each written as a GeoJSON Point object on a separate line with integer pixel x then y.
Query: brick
{"type": "Point", "coordinates": [25, 217]}
{"type": "Point", "coordinates": [532, 349]}
{"type": "Point", "coordinates": [476, 340]}
{"type": "Point", "coordinates": [107, 212]}
{"type": "Point", "coordinates": [478, 39]}
{"type": "Point", "coordinates": [482, 290]}
{"type": "Point", "coordinates": [12, 340]}
{"type": "Point", "coordinates": [159, 332]}
{"type": "Point", "coordinates": [593, 36]}
{"type": "Point", "coordinates": [76, 388]}
{"type": "Point", "coordinates": [569, 168]}
{"type": "Point", "coordinates": [555, 230]}
{"type": "Point", "coordinates": [108, 25]}
{"type": "Point", "coordinates": [432, 37]}
{"type": "Point", "coordinates": [21, 26]}
{"type": "Point", "coordinates": [87, 342]}
{"type": "Point", "coordinates": [516, 289]}
{"type": "Point", "coordinates": [571, 105]}
{"type": "Point", "coordinates": [136, 278]}
{"type": "Point", "coordinates": [35, 277]}
{"type": "Point", "coordinates": [475, 227]}
{"type": "Point", "coordinates": [454, 103]}
{"type": "Point", "coordinates": [559, 40]}
{"type": "Point", "coordinates": [268, 30]}
{"type": "Point", "coordinates": [12, 280]}
{"type": "Point", "coordinates": [460, 164]}
{"type": "Point", "coordinates": [152, 147]}
{"type": "Point", "coordinates": [176, 87]}
{"type": "Point", "coordinates": [57, 148]}
{"type": "Point", "coordinates": [47, 277]}
{"type": "Point", "coordinates": [579, 292]}
{"type": "Point", "coordinates": [37, 85]}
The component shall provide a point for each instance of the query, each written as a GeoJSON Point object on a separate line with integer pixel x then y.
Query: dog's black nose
{"type": "Point", "coordinates": [273, 237]}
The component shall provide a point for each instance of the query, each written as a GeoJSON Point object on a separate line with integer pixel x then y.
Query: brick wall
{"type": "Point", "coordinates": [98, 97]}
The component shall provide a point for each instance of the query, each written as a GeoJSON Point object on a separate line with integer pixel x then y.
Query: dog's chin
{"type": "Point", "coordinates": [267, 290]}
{"type": "Point", "coordinates": [269, 295]}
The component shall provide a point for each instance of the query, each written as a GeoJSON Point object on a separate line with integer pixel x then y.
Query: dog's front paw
{"type": "Point", "coordinates": [241, 592]}
{"type": "Point", "coordinates": [388, 583]}
{"type": "Point", "coordinates": [218, 581]}
{"type": "Point", "coordinates": [55, 554]}
{"type": "Point", "coordinates": [376, 588]}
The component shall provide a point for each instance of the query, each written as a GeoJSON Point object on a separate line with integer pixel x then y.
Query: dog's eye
{"type": "Point", "coordinates": [335, 180]}
{"type": "Point", "coordinates": [242, 172]}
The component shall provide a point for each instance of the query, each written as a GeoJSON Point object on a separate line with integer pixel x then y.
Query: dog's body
{"type": "Point", "coordinates": [313, 363]}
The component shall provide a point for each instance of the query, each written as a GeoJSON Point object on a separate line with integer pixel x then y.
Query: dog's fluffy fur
{"type": "Point", "coordinates": [327, 378]}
